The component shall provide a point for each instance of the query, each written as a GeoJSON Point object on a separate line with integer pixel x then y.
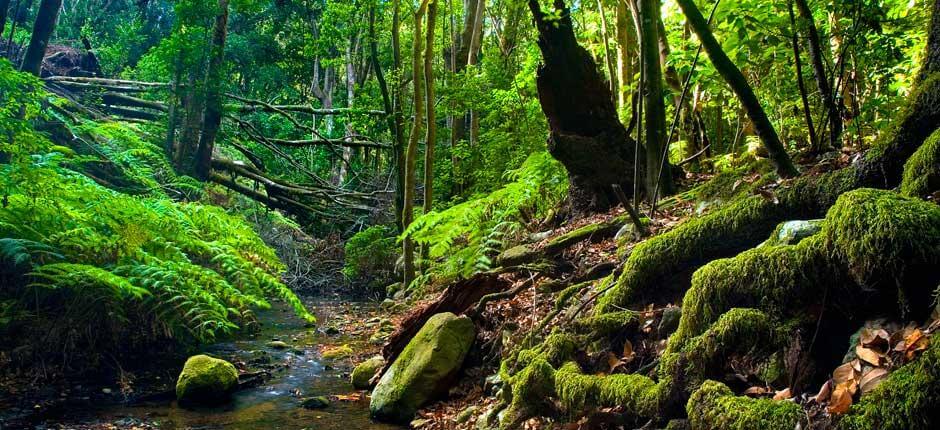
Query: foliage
{"type": "Point", "coordinates": [370, 255]}
{"type": "Point", "coordinates": [464, 238]}
{"type": "Point", "coordinates": [129, 265]}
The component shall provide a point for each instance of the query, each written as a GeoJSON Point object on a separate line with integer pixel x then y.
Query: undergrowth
{"type": "Point", "coordinates": [84, 266]}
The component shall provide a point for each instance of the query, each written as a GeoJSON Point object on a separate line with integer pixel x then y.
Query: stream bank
{"type": "Point", "coordinates": [280, 366]}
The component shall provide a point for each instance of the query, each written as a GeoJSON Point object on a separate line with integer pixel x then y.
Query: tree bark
{"type": "Point", "coordinates": [585, 132]}
{"type": "Point", "coordinates": [398, 117]}
{"type": "Point", "coordinates": [608, 58]}
{"type": "Point", "coordinates": [431, 136]}
{"type": "Point", "coordinates": [42, 30]}
{"type": "Point", "coordinates": [212, 120]}
{"type": "Point", "coordinates": [658, 169]}
{"type": "Point", "coordinates": [765, 130]}
{"type": "Point", "coordinates": [417, 67]}
{"type": "Point", "coordinates": [819, 73]}
{"type": "Point", "coordinates": [626, 50]}
{"type": "Point", "coordinates": [799, 79]}
{"type": "Point", "coordinates": [390, 118]}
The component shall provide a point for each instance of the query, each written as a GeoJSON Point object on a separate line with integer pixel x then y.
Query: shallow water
{"type": "Point", "coordinates": [276, 403]}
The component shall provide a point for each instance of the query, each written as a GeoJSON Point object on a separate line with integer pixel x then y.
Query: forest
{"type": "Point", "coordinates": [469, 214]}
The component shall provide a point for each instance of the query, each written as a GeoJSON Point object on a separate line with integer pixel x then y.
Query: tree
{"type": "Point", "coordinates": [417, 67]}
{"type": "Point", "coordinates": [585, 131]}
{"type": "Point", "coordinates": [4, 7]}
{"type": "Point", "coordinates": [819, 73]}
{"type": "Point", "coordinates": [658, 170]}
{"type": "Point", "coordinates": [431, 136]}
{"type": "Point", "coordinates": [42, 30]}
{"type": "Point", "coordinates": [213, 115]}
{"type": "Point", "coordinates": [738, 83]}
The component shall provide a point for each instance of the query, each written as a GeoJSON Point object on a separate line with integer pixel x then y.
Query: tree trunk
{"type": "Point", "coordinates": [608, 58]}
{"type": "Point", "coordinates": [585, 132]}
{"type": "Point", "coordinates": [212, 120]}
{"type": "Point", "coordinates": [765, 130]}
{"type": "Point", "coordinates": [4, 7]}
{"type": "Point", "coordinates": [412, 153]}
{"type": "Point", "coordinates": [398, 116]}
{"type": "Point", "coordinates": [799, 79]}
{"type": "Point", "coordinates": [472, 57]}
{"type": "Point", "coordinates": [42, 30]}
{"type": "Point", "coordinates": [626, 51]}
{"type": "Point", "coordinates": [390, 117]}
{"type": "Point", "coordinates": [431, 136]}
{"type": "Point", "coordinates": [819, 73]}
{"type": "Point", "coordinates": [658, 170]}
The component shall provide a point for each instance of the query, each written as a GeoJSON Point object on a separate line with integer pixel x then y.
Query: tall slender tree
{"type": "Point", "coordinates": [417, 67]}
{"type": "Point", "coordinates": [819, 73]}
{"type": "Point", "coordinates": [42, 31]}
{"type": "Point", "coordinates": [212, 120]}
{"type": "Point", "coordinates": [658, 170]}
{"type": "Point", "coordinates": [4, 7]}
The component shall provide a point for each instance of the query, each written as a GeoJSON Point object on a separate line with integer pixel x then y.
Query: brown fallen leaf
{"type": "Point", "coordinates": [841, 400]}
{"type": "Point", "coordinates": [869, 355]}
{"type": "Point", "coordinates": [757, 391]}
{"type": "Point", "coordinates": [783, 394]}
{"type": "Point", "coordinates": [844, 373]}
{"type": "Point", "coordinates": [825, 392]}
{"type": "Point", "coordinates": [876, 339]}
{"type": "Point", "coordinates": [613, 361]}
{"type": "Point", "coordinates": [913, 348]}
{"type": "Point", "coordinates": [628, 353]}
{"type": "Point", "coordinates": [871, 379]}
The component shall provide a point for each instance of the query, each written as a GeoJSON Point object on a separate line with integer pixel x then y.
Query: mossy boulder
{"type": "Point", "coordinates": [206, 381]}
{"type": "Point", "coordinates": [424, 369]}
{"type": "Point", "coordinates": [317, 402]}
{"type": "Point", "coordinates": [364, 372]}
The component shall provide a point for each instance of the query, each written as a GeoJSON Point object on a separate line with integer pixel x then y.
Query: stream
{"type": "Point", "coordinates": [276, 402]}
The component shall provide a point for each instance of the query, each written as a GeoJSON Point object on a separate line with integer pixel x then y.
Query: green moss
{"type": "Point", "coordinates": [609, 324]}
{"type": "Point", "coordinates": [424, 369]}
{"type": "Point", "coordinates": [360, 376]}
{"type": "Point", "coordinates": [205, 380]}
{"type": "Point", "coordinates": [908, 399]}
{"type": "Point", "coordinates": [605, 228]}
{"type": "Point", "coordinates": [879, 234]}
{"type": "Point", "coordinates": [337, 353]}
{"type": "Point", "coordinates": [922, 170]}
{"type": "Point", "coordinates": [531, 389]}
{"type": "Point", "coordinates": [637, 394]}
{"type": "Point", "coordinates": [714, 407]}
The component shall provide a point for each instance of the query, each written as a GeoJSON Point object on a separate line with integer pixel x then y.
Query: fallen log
{"type": "Point", "coordinates": [117, 99]}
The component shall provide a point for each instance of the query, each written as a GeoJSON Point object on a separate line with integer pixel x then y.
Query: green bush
{"type": "Point", "coordinates": [371, 255]}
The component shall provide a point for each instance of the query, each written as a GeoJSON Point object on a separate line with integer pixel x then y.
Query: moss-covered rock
{"type": "Point", "coordinates": [337, 352]}
{"type": "Point", "coordinates": [364, 372]}
{"type": "Point", "coordinates": [638, 395]}
{"type": "Point", "coordinates": [316, 402]}
{"type": "Point", "coordinates": [714, 407]}
{"type": "Point", "coordinates": [908, 399]}
{"type": "Point", "coordinates": [205, 381]}
{"type": "Point", "coordinates": [424, 369]}
{"type": "Point", "coordinates": [792, 232]}
{"type": "Point", "coordinates": [922, 170]}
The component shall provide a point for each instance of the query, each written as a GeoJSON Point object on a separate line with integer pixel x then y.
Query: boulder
{"type": "Point", "coordinates": [318, 402]}
{"type": "Point", "coordinates": [206, 381]}
{"type": "Point", "coordinates": [364, 372]}
{"type": "Point", "coordinates": [792, 232]}
{"type": "Point", "coordinates": [278, 344]}
{"type": "Point", "coordinates": [424, 369]}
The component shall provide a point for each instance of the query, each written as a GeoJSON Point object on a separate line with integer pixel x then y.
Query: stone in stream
{"type": "Point", "coordinates": [318, 402]}
{"type": "Point", "coordinates": [425, 368]}
{"type": "Point", "coordinates": [278, 344]}
{"type": "Point", "coordinates": [364, 372]}
{"type": "Point", "coordinates": [206, 381]}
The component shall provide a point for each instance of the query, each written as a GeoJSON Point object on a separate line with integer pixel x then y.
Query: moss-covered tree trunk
{"type": "Point", "coordinates": [212, 119]}
{"type": "Point", "coordinates": [755, 112]}
{"type": "Point", "coordinates": [42, 30]}
{"type": "Point", "coordinates": [585, 132]}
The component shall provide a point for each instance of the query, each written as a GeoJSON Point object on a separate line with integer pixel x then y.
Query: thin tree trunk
{"type": "Point", "coordinates": [390, 117]}
{"type": "Point", "coordinates": [212, 120]}
{"type": "Point", "coordinates": [799, 79]}
{"type": "Point", "coordinates": [42, 30]}
{"type": "Point", "coordinates": [608, 58]}
{"type": "Point", "coordinates": [738, 83]}
{"type": "Point", "coordinates": [626, 50]}
{"type": "Point", "coordinates": [819, 72]}
{"type": "Point", "coordinates": [472, 57]}
{"type": "Point", "coordinates": [399, 117]}
{"type": "Point", "coordinates": [431, 136]}
{"type": "Point", "coordinates": [412, 153]}
{"type": "Point", "coordinates": [654, 109]}
{"type": "Point", "coordinates": [173, 106]}
{"type": "Point", "coordinates": [4, 7]}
